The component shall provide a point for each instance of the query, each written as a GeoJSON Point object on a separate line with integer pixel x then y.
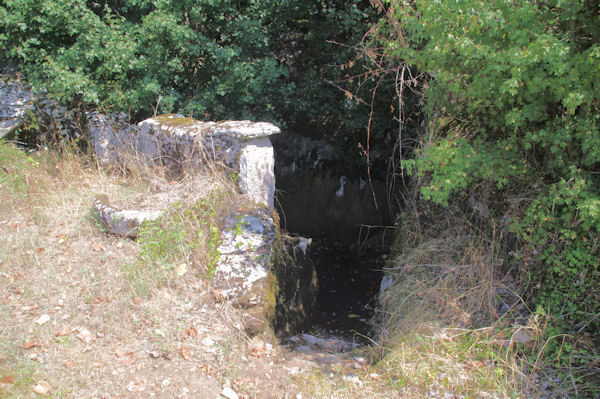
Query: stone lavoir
{"type": "Point", "coordinates": [325, 284]}
{"type": "Point", "coordinates": [261, 271]}
{"type": "Point", "coordinates": [327, 281]}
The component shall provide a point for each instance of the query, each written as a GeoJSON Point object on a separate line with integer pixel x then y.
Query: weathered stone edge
{"type": "Point", "coordinates": [124, 223]}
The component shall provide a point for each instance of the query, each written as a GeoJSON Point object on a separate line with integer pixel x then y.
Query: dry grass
{"type": "Point", "coordinates": [461, 280]}
{"type": "Point", "coordinates": [119, 325]}
{"type": "Point", "coordinates": [89, 315]}
{"type": "Point", "coordinates": [86, 315]}
{"type": "Point", "coordinates": [454, 325]}
{"type": "Point", "coordinates": [101, 338]}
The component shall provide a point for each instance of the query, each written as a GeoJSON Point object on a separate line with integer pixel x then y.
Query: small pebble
{"type": "Point", "coordinates": [229, 393]}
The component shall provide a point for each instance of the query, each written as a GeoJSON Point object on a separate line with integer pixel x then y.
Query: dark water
{"type": "Point", "coordinates": [348, 228]}
{"type": "Point", "coordinates": [324, 205]}
{"type": "Point", "coordinates": [348, 285]}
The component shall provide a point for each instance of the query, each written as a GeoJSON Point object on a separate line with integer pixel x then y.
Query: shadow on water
{"type": "Point", "coordinates": [321, 197]}
{"type": "Point", "coordinates": [348, 285]}
{"type": "Point", "coordinates": [348, 256]}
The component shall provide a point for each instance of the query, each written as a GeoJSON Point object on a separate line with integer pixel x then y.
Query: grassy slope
{"type": "Point", "coordinates": [453, 320]}
{"type": "Point", "coordinates": [118, 324]}
{"type": "Point", "coordinates": [55, 261]}
{"type": "Point", "coordinates": [118, 328]}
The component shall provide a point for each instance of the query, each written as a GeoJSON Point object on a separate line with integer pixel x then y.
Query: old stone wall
{"type": "Point", "coordinates": [269, 277]}
{"type": "Point", "coordinates": [19, 105]}
{"type": "Point", "coordinates": [172, 140]}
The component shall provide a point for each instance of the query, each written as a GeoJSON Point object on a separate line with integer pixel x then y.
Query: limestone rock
{"type": "Point", "coordinates": [15, 99]}
{"type": "Point", "coordinates": [8, 126]}
{"type": "Point", "coordinates": [386, 282]}
{"type": "Point", "coordinates": [125, 223]}
{"type": "Point", "coordinates": [269, 276]}
{"type": "Point", "coordinates": [243, 129]}
{"type": "Point", "coordinates": [51, 117]}
{"type": "Point", "coordinates": [328, 344]}
{"type": "Point", "coordinates": [174, 140]}
{"type": "Point", "coordinates": [103, 136]}
{"type": "Point", "coordinates": [245, 256]}
{"type": "Point", "coordinates": [256, 170]}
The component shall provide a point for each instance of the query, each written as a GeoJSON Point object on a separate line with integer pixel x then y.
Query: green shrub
{"type": "Point", "coordinates": [15, 168]}
{"type": "Point", "coordinates": [509, 91]}
{"type": "Point", "coordinates": [214, 59]}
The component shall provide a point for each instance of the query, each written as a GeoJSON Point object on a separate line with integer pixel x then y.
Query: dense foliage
{"type": "Point", "coordinates": [512, 97]}
{"type": "Point", "coordinates": [214, 59]}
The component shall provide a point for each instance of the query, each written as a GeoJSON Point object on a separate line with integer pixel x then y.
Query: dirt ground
{"type": "Point", "coordinates": [72, 328]}
{"type": "Point", "coordinates": [82, 317]}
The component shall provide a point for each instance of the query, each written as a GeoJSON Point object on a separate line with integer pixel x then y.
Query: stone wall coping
{"type": "Point", "coordinates": [122, 222]}
{"type": "Point", "coordinates": [181, 125]}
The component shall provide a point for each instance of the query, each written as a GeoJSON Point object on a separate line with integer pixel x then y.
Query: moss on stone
{"type": "Point", "coordinates": [296, 294]}
{"type": "Point", "coordinates": [174, 120]}
{"type": "Point", "coordinates": [271, 292]}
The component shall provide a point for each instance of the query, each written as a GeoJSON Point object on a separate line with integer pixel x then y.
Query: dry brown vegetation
{"type": "Point", "coordinates": [453, 322]}
{"type": "Point", "coordinates": [83, 314]}
{"type": "Point", "coordinates": [86, 315]}
{"type": "Point", "coordinates": [75, 321]}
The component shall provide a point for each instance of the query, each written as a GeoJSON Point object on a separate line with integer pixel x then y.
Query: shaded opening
{"type": "Point", "coordinates": [351, 235]}
{"type": "Point", "coordinates": [349, 280]}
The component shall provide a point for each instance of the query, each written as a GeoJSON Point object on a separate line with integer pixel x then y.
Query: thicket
{"type": "Point", "coordinates": [510, 91]}
{"type": "Point", "coordinates": [211, 59]}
